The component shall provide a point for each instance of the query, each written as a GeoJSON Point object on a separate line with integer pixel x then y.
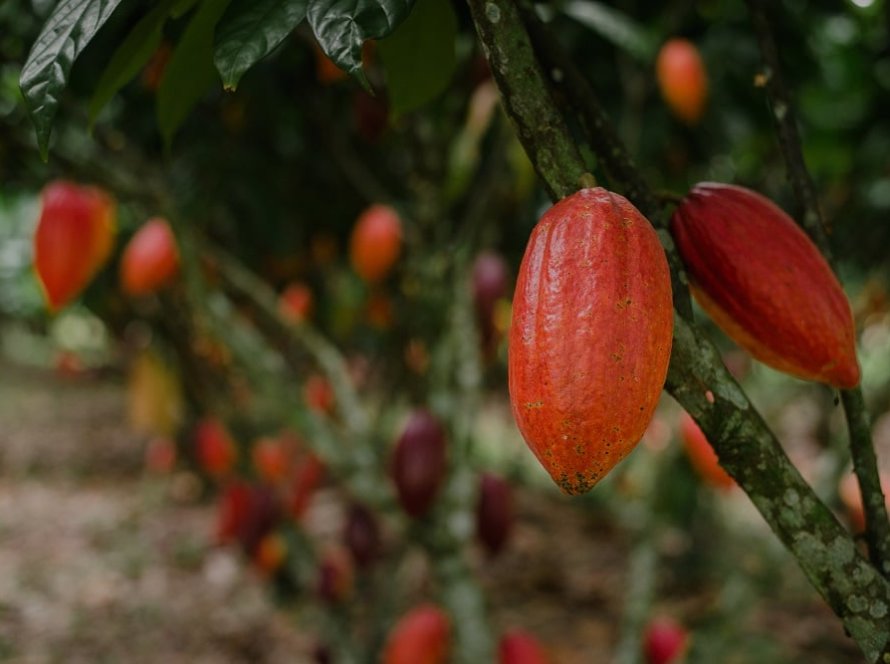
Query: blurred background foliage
{"type": "Point", "coordinates": [277, 171]}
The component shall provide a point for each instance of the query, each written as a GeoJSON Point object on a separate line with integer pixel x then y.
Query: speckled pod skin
{"type": "Point", "coordinates": [591, 336]}
{"type": "Point", "coordinates": [764, 282]}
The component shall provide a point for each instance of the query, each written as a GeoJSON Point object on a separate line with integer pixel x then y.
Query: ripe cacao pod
{"type": "Point", "coordinates": [247, 513]}
{"type": "Point", "coordinates": [362, 535]}
{"type": "Point", "coordinates": [491, 282]}
{"type": "Point", "coordinates": [494, 513]}
{"type": "Point", "coordinates": [520, 647]}
{"type": "Point", "coordinates": [216, 451]}
{"type": "Point", "coordinates": [271, 460]}
{"type": "Point", "coordinates": [73, 239]}
{"type": "Point", "coordinates": [664, 642]}
{"type": "Point", "coordinates": [764, 282]}
{"type": "Point", "coordinates": [376, 242]}
{"type": "Point", "coordinates": [422, 636]}
{"type": "Point", "coordinates": [296, 302]}
{"type": "Point", "coordinates": [418, 463]}
{"type": "Point", "coordinates": [591, 336]}
{"type": "Point", "coordinates": [151, 258]}
{"type": "Point", "coordinates": [682, 79]}
{"type": "Point", "coordinates": [701, 455]}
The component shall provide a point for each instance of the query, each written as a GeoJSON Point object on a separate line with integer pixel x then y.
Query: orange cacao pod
{"type": "Point", "coordinates": [73, 239]}
{"type": "Point", "coordinates": [682, 79]}
{"type": "Point", "coordinates": [520, 647]}
{"type": "Point", "coordinates": [701, 455]}
{"type": "Point", "coordinates": [764, 282]}
{"type": "Point", "coordinates": [151, 258]}
{"type": "Point", "coordinates": [591, 336]}
{"type": "Point", "coordinates": [376, 243]}
{"type": "Point", "coordinates": [421, 636]}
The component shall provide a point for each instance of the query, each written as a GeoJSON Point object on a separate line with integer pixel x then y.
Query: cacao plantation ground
{"type": "Point", "coordinates": [102, 562]}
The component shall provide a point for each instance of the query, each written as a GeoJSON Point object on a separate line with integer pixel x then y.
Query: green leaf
{"type": "Point", "coordinates": [614, 26]}
{"type": "Point", "coordinates": [190, 70]}
{"type": "Point", "coordinates": [65, 34]}
{"type": "Point", "coordinates": [419, 57]}
{"type": "Point", "coordinates": [131, 56]}
{"type": "Point", "coordinates": [250, 30]}
{"type": "Point", "coordinates": [342, 26]}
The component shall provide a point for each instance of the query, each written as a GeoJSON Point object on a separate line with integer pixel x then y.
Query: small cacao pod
{"type": "Point", "coordinates": [215, 450]}
{"type": "Point", "coordinates": [491, 282]}
{"type": "Point", "coordinates": [701, 455]}
{"type": "Point", "coordinates": [295, 302]}
{"type": "Point", "coordinates": [362, 535]}
{"type": "Point", "coordinates": [151, 258]}
{"type": "Point", "coordinates": [418, 462]}
{"type": "Point", "coordinates": [73, 239]}
{"type": "Point", "coordinates": [520, 647]}
{"type": "Point", "coordinates": [591, 336]}
{"type": "Point", "coordinates": [682, 79]}
{"type": "Point", "coordinates": [376, 243]}
{"type": "Point", "coordinates": [764, 282]}
{"type": "Point", "coordinates": [494, 513]}
{"type": "Point", "coordinates": [421, 636]}
{"type": "Point", "coordinates": [665, 642]}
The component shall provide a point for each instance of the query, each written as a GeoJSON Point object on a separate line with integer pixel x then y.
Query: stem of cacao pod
{"type": "Point", "coordinates": [697, 378]}
{"type": "Point", "coordinates": [877, 523]}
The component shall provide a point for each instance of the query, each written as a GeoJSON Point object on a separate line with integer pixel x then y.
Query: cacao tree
{"type": "Point", "coordinates": [603, 317]}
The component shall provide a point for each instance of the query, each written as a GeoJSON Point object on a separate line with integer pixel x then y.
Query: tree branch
{"type": "Point", "coordinates": [538, 122]}
{"type": "Point", "coordinates": [877, 524]}
{"type": "Point", "coordinates": [699, 381]}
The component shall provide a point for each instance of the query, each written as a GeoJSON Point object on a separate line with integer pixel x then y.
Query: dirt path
{"type": "Point", "coordinates": [98, 563]}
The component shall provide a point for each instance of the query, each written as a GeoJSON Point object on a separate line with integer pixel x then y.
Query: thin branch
{"type": "Point", "coordinates": [699, 381]}
{"type": "Point", "coordinates": [877, 524]}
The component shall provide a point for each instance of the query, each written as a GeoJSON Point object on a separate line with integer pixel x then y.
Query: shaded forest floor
{"type": "Point", "coordinates": [101, 562]}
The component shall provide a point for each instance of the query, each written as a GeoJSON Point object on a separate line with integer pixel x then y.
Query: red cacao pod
{"type": "Point", "coordinates": [764, 282]}
{"type": "Point", "coordinates": [591, 336]}
{"type": "Point", "coordinates": [151, 258]}
{"type": "Point", "coordinates": [520, 647]}
{"type": "Point", "coordinates": [418, 463]}
{"type": "Point", "coordinates": [247, 513]}
{"type": "Point", "coordinates": [422, 636]}
{"type": "Point", "coordinates": [296, 302]}
{"type": "Point", "coordinates": [682, 79]}
{"type": "Point", "coordinates": [271, 459]}
{"type": "Point", "coordinates": [216, 451]}
{"type": "Point", "coordinates": [491, 282]}
{"type": "Point", "coordinates": [376, 242]}
{"type": "Point", "coordinates": [701, 455]}
{"type": "Point", "coordinates": [319, 394]}
{"type": "Point", "coordinates": [362, 535]}
{"type": "Point", "coordinates": [73, 239]}
{"type": "Point", "coordinates": [494, 513]}
{"type": "Point", "coordinates": [664, 642]}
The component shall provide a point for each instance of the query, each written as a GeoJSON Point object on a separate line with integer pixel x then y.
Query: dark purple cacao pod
{"type": "Point", "coordinates": [494, 513]}
{"type": "Point", "coordinates": [418, 463]}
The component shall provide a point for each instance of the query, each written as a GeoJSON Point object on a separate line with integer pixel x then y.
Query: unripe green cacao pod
{"type": "Point", "coordinates": [764, 282]}
{"type": "Point", "coordinates": [591, 336]}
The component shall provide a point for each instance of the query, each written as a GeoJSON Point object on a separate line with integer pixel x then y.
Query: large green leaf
{"type": "Point", "coordinates": [65, 34]}
{"type": "Point", "coordinates": [250, 30]}
{"type": "Point", "coordinates": [131, 56]}
{"type": "Point", "coordinates": [615, 26]}
{"type": "Point", "coordinates": [419, 57]}
{"type": "Point", "coordinates": [342, 26]}
{"type": "Point", "coordinates": [190, 70]}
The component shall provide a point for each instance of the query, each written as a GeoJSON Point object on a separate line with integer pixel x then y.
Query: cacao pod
{"type": "Point", "coordinates": [335, 576]}
{"type": "Point", "coordinates": [296, 302]}
{"type": "Point", "coordinates": [591, 336]}
{"type": "Point", "coordinates": [270, 554]}
{"type": "Point", "coordinates": [362, 535]}
{"type": "Point", "coordinates": [494, 513]}
{"type": "Point", "coordinates": [247, 513]}
{"type": "Point", "coordinates": [376, 243]}
{"type": "Point", "coordinates": [418, 463]}
{"type": "Point", "coordinates": [150, 260]}
{"type": "Point", "coordinates": [701, 455]}
{"type": "Point", "coordinates": [764, 282]}
{"type": "Point", "coordinates": [422, 636]}
{"type": "Point", "coordinates": [664, 642]}
{"type": "Point", "coordinates": [682, 79]}
{"type": "Point", "coordinates": [491, 282]}
{"type": "Point", "coordinates": [216, 451]}
{"type": "Point", "coordinates": [72, 240]}
{"type": "Point", "coordinates": [271, 460]}
{"type": "Point", "coordinates": [520, 647]}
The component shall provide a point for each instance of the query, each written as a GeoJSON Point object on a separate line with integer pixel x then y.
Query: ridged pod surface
{"type": "Point", "coordinates": [764, 282]}
{"type": "Point", "coordinates": [591, 336]}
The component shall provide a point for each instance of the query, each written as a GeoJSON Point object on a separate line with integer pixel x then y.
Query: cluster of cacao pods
{"type": "Point", "coordinates": [74, 238]}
